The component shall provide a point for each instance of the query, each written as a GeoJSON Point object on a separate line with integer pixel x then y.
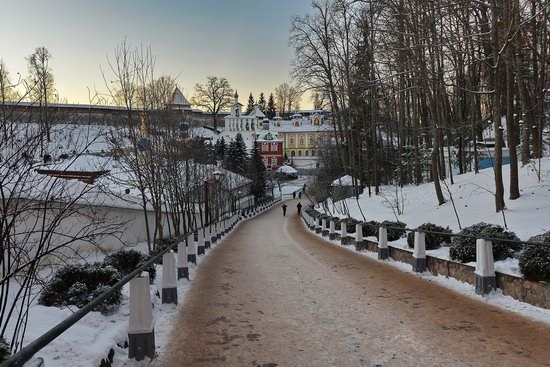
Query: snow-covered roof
{"type": "Point", "coordinates": [268, 135]}
{"type": "Point", "coordinates": [286, 170]}
{"type": "Point", "coordinates": [256, 112]}
{"type": "Point", "coordinates": [346, 180]}
{"type": "Point", "coordinates": [306, 126]}
{"type": "Point", "coordinates": [178, 100]}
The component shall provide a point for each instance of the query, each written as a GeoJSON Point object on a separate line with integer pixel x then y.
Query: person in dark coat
{"type": "Point", "coordinates": [299, 206]}
{"type": "Point", "coordinates": [300, 195]}
{"type": "Point", "coordinates": [284, 210]}
{"type": "Point", "coordinates": [294, 195]}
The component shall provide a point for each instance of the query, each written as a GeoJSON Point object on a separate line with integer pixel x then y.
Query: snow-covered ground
{"type": "Point", "coordinates": [473, 196]}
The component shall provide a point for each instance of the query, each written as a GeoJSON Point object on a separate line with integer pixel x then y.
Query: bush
{"type": "Point", "coordinates": [397, 230]}
{"type": "Point", "coordinates": [464, 249]}
{"type": "Point", "coordinates": [534, 262]}
{"type": "Point", "coordinates": [79, 284]}
{"type": "Point", "coordinates": [433, 240]}
{"type": "Point", "coordinates": [126, 261]}
{"type": "Point", "coordinates": [4, 350]}
{"type": "Point", "coordinates": [370, 228]}
{"type": "Point", "coordinates": [161, 244]}
{"type": "Point", "coordinates": [350, 224]}
{"type": "Point", "coordinates": [337, 223]}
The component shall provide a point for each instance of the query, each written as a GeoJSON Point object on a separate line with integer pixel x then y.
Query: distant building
{"type": "Point", "coordinates": [270, 146]}
{"type": "Point", "coordinates": [237, 121]}
{"type": "Point", "coordinates": [178, 101]}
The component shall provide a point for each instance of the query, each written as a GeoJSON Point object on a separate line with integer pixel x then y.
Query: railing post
{"type": "Point", "coordinates": [486, 280]}
{"type": "Point", "coordinates": [200, 241]}
{"type": "Point", "coordinates": [344, 234]}
{"type": "Point", "coordinates": [318, 224]}
{"type": "Point", "coordinates": [324, 229]}
{"type": "Point", "coordinates": [141, 333]}
{"type": "Point", "coordinates": [218, 231]}
{"type": "Point", "coordinates": [169, 287]}
{"type": "Point", "coordinates": [359, 244]}
{"type": "Point", "coordinates": [191, 249]}
{"type": "Point", "coordinates": [332, 230]}
{"type": "Point", "coordinates": [213, 234]}
{"type": "Point", "coordinates": [383, 250]}
{"type": "Point", "coordinates": [207, 237]}
{"type": "Point", "coordinates": [183, 269]}
{"type": "Point", "coordinates": [419, 252]}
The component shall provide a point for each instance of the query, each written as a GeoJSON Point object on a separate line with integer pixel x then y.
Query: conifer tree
{"type": "Point", "coordinates": [220, 149]}
{"type": "Point", "coordinates": [262, 102]}
{"type": "Point", "coordinates": [236, 157]}
{"type": "Point", "coordinates": [271, 108]}
{"type": "Point", "coordinates": [257, 173]}
{"type": "Point", "coordinates": [250, 104]}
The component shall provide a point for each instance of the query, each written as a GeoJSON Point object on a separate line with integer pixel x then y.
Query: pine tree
{"type": "Point", "coordinates": [257, 173]}
{"type": "Point", "coordinates": [271, 108]}
{"type": "Point", "coordinates": [236, 157]}
{"type": "Point", "coordinates": [262, 102]}
{"type": "Point", "coordinates": [220, 149]}
{"type": "Point", "coordinates": [250, 104]}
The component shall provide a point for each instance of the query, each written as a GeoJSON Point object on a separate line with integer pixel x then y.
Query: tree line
{"type": "Point", "coordinates": [414, 86]}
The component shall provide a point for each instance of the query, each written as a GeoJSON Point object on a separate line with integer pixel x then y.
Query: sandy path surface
{"type": "Point", "coordinates": [273, 294]}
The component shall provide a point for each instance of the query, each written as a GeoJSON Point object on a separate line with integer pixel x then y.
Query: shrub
{"type": "Point", "coordinates": [397, 230]}
{"type": "Point", "coordinates": [370, 228]}
{"type": "Point", "coordinates": [350, 224]}
{"type": "Point", "coordinates": [534, 262]}
{"type": "Point", "coordinates": [79, 284]}
{"type": "Point", "coordinates": [433, 240]}
{"type": "Point", "coordinates": [337, 223]}
{"type": "Point", "coordinates": [464, 249]}
{"type": "Point", "coordinates": [126, 261]}
{"type": "Point", "coordinates": [161, 244]}
{"type": "Point", "coordinates": [4, 350]}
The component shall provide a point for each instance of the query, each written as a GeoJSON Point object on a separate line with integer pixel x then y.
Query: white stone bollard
{"type": "Point", "coordinates": [207, 237]}
{"type": "Point", "coordinates": [359, 244]}
{"type": "Point", "coordinates": [200, 241]}
{"type": "Point", "coordinates": [141, 328]}
{"type": "Point", "coordinates": [324, 229]}
{"type": "Point", "coordinates": [318, 225]}
{"type": "Point", "coordinates": [344, 234]}
{"type": "Point", "coordinates": [169, 287]}
{"type": "Point", "coordinates": [191, 249]}
{"type": "Point", "coordinates": [183, 269]}
{"type": "Point", "coordinates": [332, 230]}
{"type": "Point", "coordinates": [383, 250]}
{"type": "Point", "coordinates": [218, 231]}
{"type": "Point", "coordinates": [419, 252]}
{"type": "Point", "coordinates": [486, 280]}
{"type": "Point", "coordinates": [213, 236]}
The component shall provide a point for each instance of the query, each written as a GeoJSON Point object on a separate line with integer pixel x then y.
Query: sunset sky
{"type": "Point", "coordinates": [245, 41]}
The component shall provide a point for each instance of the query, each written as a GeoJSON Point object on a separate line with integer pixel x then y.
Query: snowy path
{"type": "Point", "coordinates": [272, 294]}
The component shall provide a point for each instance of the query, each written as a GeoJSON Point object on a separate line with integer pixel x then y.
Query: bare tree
{"type": "Point", "coordinates": [213, 96]}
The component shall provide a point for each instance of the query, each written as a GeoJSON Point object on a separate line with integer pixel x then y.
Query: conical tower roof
{"type": "Point", "coordinates": [178, 100]}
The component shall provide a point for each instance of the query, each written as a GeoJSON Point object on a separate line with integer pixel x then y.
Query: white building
{"type": "Point", "coordinates": [237, 121]}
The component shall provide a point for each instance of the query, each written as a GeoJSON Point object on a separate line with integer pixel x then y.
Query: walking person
{"type": "Point", "coordinates": [299, 206]}
{"type": "Point", "coordinates": [294, 194]}
{"type": "Point", "coordinates": [284, 210]}
{"type": "Point", "coordinates": [300, 195]}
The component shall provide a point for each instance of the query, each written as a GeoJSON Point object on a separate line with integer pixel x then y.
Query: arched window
{"type": "Point", "coordinates": [313, 152]}
{"type": "Point", "coordinates": [299, 153]}
{"type": "Point", "coordinates": [247, 126]}
{"type": "Point", "coordinates": [292, 153]}
{"type": "Point", "coordinates": [301, 141]}
{"type": "Point", "coordinates": [306, 153]}
{"type": "Point", "coordinates": [291, 141]}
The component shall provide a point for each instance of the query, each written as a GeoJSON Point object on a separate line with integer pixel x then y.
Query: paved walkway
{"type": "Point", "coordinates": [273, 294]}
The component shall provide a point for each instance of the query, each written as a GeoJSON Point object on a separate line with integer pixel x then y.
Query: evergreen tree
{"type": "Point", "coordinates": [262, 102]}
{"type": "Point", "coordinates": [250, 104]}
{"type": "Point", "coordinates": [271, 108]}
{"type": "Point", "coordinates": [220, 149]}
{"type": "Point", "coordinates": [236, 157]}
{"type": "Point", "coordinates": [257, 173]}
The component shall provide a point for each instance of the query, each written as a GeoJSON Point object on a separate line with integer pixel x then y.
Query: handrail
{"type": "Point", "coordinates": [25, 354]}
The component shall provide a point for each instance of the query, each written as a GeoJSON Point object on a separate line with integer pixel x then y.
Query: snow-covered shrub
{"type": "Point", "coordinates": [79, 284]}
{"type": "Point", "coordinates": [161, 244]}
{"type": "Point", "coordinates": [126, 261]}
{"type": "Point", "coordinates": [396, 231]}
{"type": "Point", "coordinates": [4, 350]}
{"type": "Point", "coordinates": [433, 240]}
{"type": "Point", "coordinates": [370, 228]}
{"type": "Point", "coordinates": [337, 223]}
{"type": "Point", "coordinates": [534, 262]}
{"type": "Point", "coordinates": [464, 249]}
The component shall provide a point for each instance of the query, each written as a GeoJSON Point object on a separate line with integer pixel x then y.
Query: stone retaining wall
{"type": "Point", "coordinates": [535, 293]}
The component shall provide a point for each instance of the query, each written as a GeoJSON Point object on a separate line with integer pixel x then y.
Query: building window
{"type": "Point", "coordinates": [313, 153]}
{"type": "Point", "coordinates": [301, 141]}
{"type": "Point", "coordinates": [274, 147]}
{"type": "Point", "coordinates": [306, 153]}
{"type": "Point", "coordinates": [265, 161]}
{"type": "Point", "coordinates": [291, 141]}
{"type": "Point", "coordinates": [265, 147]}
{"type": "Point", "coordinates": [273, 161]}
{"type": "Point", "coordinates": [299, 153]}
{"type": "Point", "coordinates": [292, 153]}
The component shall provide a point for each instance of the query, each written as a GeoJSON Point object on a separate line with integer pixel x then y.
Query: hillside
{"type": "Point", "coordinates": [473, 197]}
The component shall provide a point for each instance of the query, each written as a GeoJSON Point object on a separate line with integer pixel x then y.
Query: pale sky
{"type": "Point", "coordinates": [245, 41]}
